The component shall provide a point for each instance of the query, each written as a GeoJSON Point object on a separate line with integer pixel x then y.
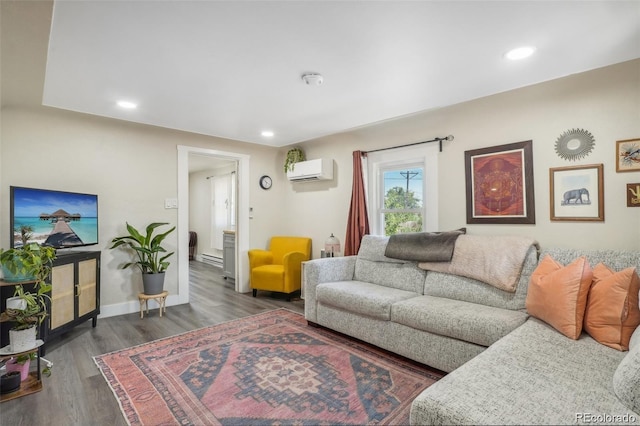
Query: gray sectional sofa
{"type": "Point", "coordinates": [504, 366]}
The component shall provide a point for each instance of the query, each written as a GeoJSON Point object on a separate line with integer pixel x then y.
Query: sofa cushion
{"type": "Point", "coordinates": [361, 297]}
{"type": "Point", "coordinates": [373, 247]}
{"type": "Point", "coordinates": [612, 312]}
{"type": "Point", "coordinates": [401, 276]}
{"type": "Point", "coordinates": [617, 260]}
{"type": "Point", "coordinates": [635, 338]}
{"type": "Point", "coordinates": [374, 267]}
{"type": "Point", "coordinates": [626, 380]}
{"type": "Point", "coordinates": [558, 294]}
{"type": "Point", "coordinates": [479, 324]}
{"type": "Point", "coordinates": [534, 375]}
{"type": "Point", "coordinates": [470, 290]}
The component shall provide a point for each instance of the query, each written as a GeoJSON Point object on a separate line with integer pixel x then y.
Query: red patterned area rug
{"type": "Point", "coordinates": [266, 369]}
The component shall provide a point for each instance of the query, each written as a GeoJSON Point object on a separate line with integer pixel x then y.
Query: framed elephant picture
{"type": "Point", "coordinates": [577, 193]}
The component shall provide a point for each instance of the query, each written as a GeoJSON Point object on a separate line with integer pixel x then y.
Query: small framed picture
{"type": "Point", "coordinates": [499, 184]}
{"type": "Point", "coordinates": [577, 193]}
{"type": "Point", "coordinates": [628, 155]}
{"type": "Point", "coordinates": [633, 195]}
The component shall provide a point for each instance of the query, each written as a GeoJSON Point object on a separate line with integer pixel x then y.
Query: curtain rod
{"type": "Point", "coordinates": [448, 138]}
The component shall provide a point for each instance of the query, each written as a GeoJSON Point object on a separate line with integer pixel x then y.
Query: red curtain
{"type": "Point", "coordinates": [358, 222]}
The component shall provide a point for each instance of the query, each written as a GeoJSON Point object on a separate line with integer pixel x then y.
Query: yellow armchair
{"type": "Point", "coordinates": [279, 268]}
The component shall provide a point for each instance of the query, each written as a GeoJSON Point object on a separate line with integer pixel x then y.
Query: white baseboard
{"type": "Point", "coordinates": [132, 306]}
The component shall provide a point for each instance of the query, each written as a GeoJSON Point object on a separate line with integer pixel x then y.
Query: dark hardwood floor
{"type": "Point", "coordinates": [77, 394]}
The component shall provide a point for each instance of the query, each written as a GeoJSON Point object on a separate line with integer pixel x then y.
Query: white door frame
{"type": "Point", "coordinates": [242, 228]}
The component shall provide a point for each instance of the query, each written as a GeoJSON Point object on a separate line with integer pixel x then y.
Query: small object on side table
{"type": "Point", "coordinates": [10, 382]}
{"type": "Point", "coordinates": [161, 298]}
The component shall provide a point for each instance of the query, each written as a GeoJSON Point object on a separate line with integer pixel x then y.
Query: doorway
{"type": "Point", "coordinates": [212, 208]}
{"type": "Point", "coordinates": [185, 156]}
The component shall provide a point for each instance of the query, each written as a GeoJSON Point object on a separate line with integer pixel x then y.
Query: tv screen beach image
{"type": "Point", "coordinates": [54, 218]}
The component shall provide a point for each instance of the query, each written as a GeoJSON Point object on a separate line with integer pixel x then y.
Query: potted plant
{"type": "Point", "coordinates": [21, 363]}
{"type": "Point", "coordinates": [31, 262]}
{"type": "Point", "coordinates": [294, 155]}
{"type": "Point", "coordinates": [151, 257]}
{"type": "Point", "coordinates": [10, 382]}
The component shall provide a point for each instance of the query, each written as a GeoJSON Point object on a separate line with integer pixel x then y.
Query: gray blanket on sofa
{"type": "Point", "coordinates": [423, 246]}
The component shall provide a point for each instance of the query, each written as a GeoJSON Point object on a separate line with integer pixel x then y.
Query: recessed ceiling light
{"type": "Point", "coordinates": [267, 134]}
{"type": "Point", "coordinates": [127, 105]}
{"type": "Point", "coordinates": [520, 53]}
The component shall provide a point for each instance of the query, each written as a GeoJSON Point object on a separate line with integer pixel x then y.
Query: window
{"type": "Point", "coordinates": [402, 207]}
{"type": "Point", "coordinates": [402, 190]}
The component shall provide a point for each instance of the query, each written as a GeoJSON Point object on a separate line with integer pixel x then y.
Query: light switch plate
{"type": "Point", "coordinates": [170, 203]}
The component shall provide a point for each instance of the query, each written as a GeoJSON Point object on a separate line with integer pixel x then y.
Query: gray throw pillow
{"type": "Point", "coordinates": [626, 379]}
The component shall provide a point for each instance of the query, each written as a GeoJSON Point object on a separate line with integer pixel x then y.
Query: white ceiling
{"type": "Point", "coordinates": [233, 69]}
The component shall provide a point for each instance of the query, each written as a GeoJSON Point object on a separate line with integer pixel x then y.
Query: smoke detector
{"type": "Point", "coordinates": [312, 79]}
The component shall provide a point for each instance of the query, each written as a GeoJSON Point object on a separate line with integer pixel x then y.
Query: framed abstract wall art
{"type": "Point", "coordinates": [577, 193]}
{"type": "Point", "coordinates": [628, 155]}
{"type": "Point", "coordinates": [499, 184]}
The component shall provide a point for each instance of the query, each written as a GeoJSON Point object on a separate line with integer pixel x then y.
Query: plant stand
{"type": "Point", "coordinates": [161, 298]}
{"type": "Point", "coordinates": [33, 383]}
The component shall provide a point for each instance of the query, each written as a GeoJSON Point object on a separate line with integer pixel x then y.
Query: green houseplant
{"type": "Point", "coordinates": [30, 262]}
{"type": "Point", "coordinates": [151, 256]}
{"type": "Point", "coordinates": [294, 155]}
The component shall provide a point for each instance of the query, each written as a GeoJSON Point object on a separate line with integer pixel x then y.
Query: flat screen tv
{"type": "Point", "coordinates": [56, 219]}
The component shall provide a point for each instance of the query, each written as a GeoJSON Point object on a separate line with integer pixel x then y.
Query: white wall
{"type": "Point", "coordinates": [606, 102]}
{"type": "Point", "coordinates": [131, 167]}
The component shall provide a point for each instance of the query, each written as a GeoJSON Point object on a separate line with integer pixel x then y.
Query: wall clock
{"type": "Point", "coordinates": [265, 182]}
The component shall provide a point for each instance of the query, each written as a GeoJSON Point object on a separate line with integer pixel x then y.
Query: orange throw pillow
{"type": "Point", "coordinates": [612, 312]}
{"type": "Point", "coordinates": [558, 294]}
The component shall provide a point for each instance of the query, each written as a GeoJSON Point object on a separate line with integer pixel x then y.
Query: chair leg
{"type": "Point", "coordinates": [255, 292]}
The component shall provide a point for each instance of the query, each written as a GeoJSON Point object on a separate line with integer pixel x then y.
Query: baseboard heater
{"type": "Point", "coordinates": [212, 259]}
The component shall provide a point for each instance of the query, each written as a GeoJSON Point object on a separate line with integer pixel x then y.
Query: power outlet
{"type": "Point", "coordinates": [170, 203]}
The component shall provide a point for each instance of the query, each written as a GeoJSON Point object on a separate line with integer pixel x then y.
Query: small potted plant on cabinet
{"type": "Point", "coordinates": [151, 257]}
{"type": "Point", "coordinates": [30, 262]}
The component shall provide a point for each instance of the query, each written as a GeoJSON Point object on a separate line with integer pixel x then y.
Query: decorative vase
{"type": "Point", "coordinates": [22, 340]}
{"type": "Point", "coordinates": [16, 302]}
{"type": "Point", "coordinates": [14, 278]}
{"type": "Point", "coordinates": [153, 283]}
{"type": "Point", "coordinates": [9, 382]}
{"type": "Point", "coordinates": [23, 369]}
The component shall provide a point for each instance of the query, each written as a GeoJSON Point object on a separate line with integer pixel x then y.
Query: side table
{"type": "Point", "coordinates": [33, 383]}
{"type": "Point", "coordinates": [161, 298]}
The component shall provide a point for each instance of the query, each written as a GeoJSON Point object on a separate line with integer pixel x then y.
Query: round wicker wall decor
{"type": "Point", "coordinates": [574, 144]}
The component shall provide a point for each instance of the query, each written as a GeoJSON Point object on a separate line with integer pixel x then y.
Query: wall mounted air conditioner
{"type": "Point", "coordinates": [304, 171]}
